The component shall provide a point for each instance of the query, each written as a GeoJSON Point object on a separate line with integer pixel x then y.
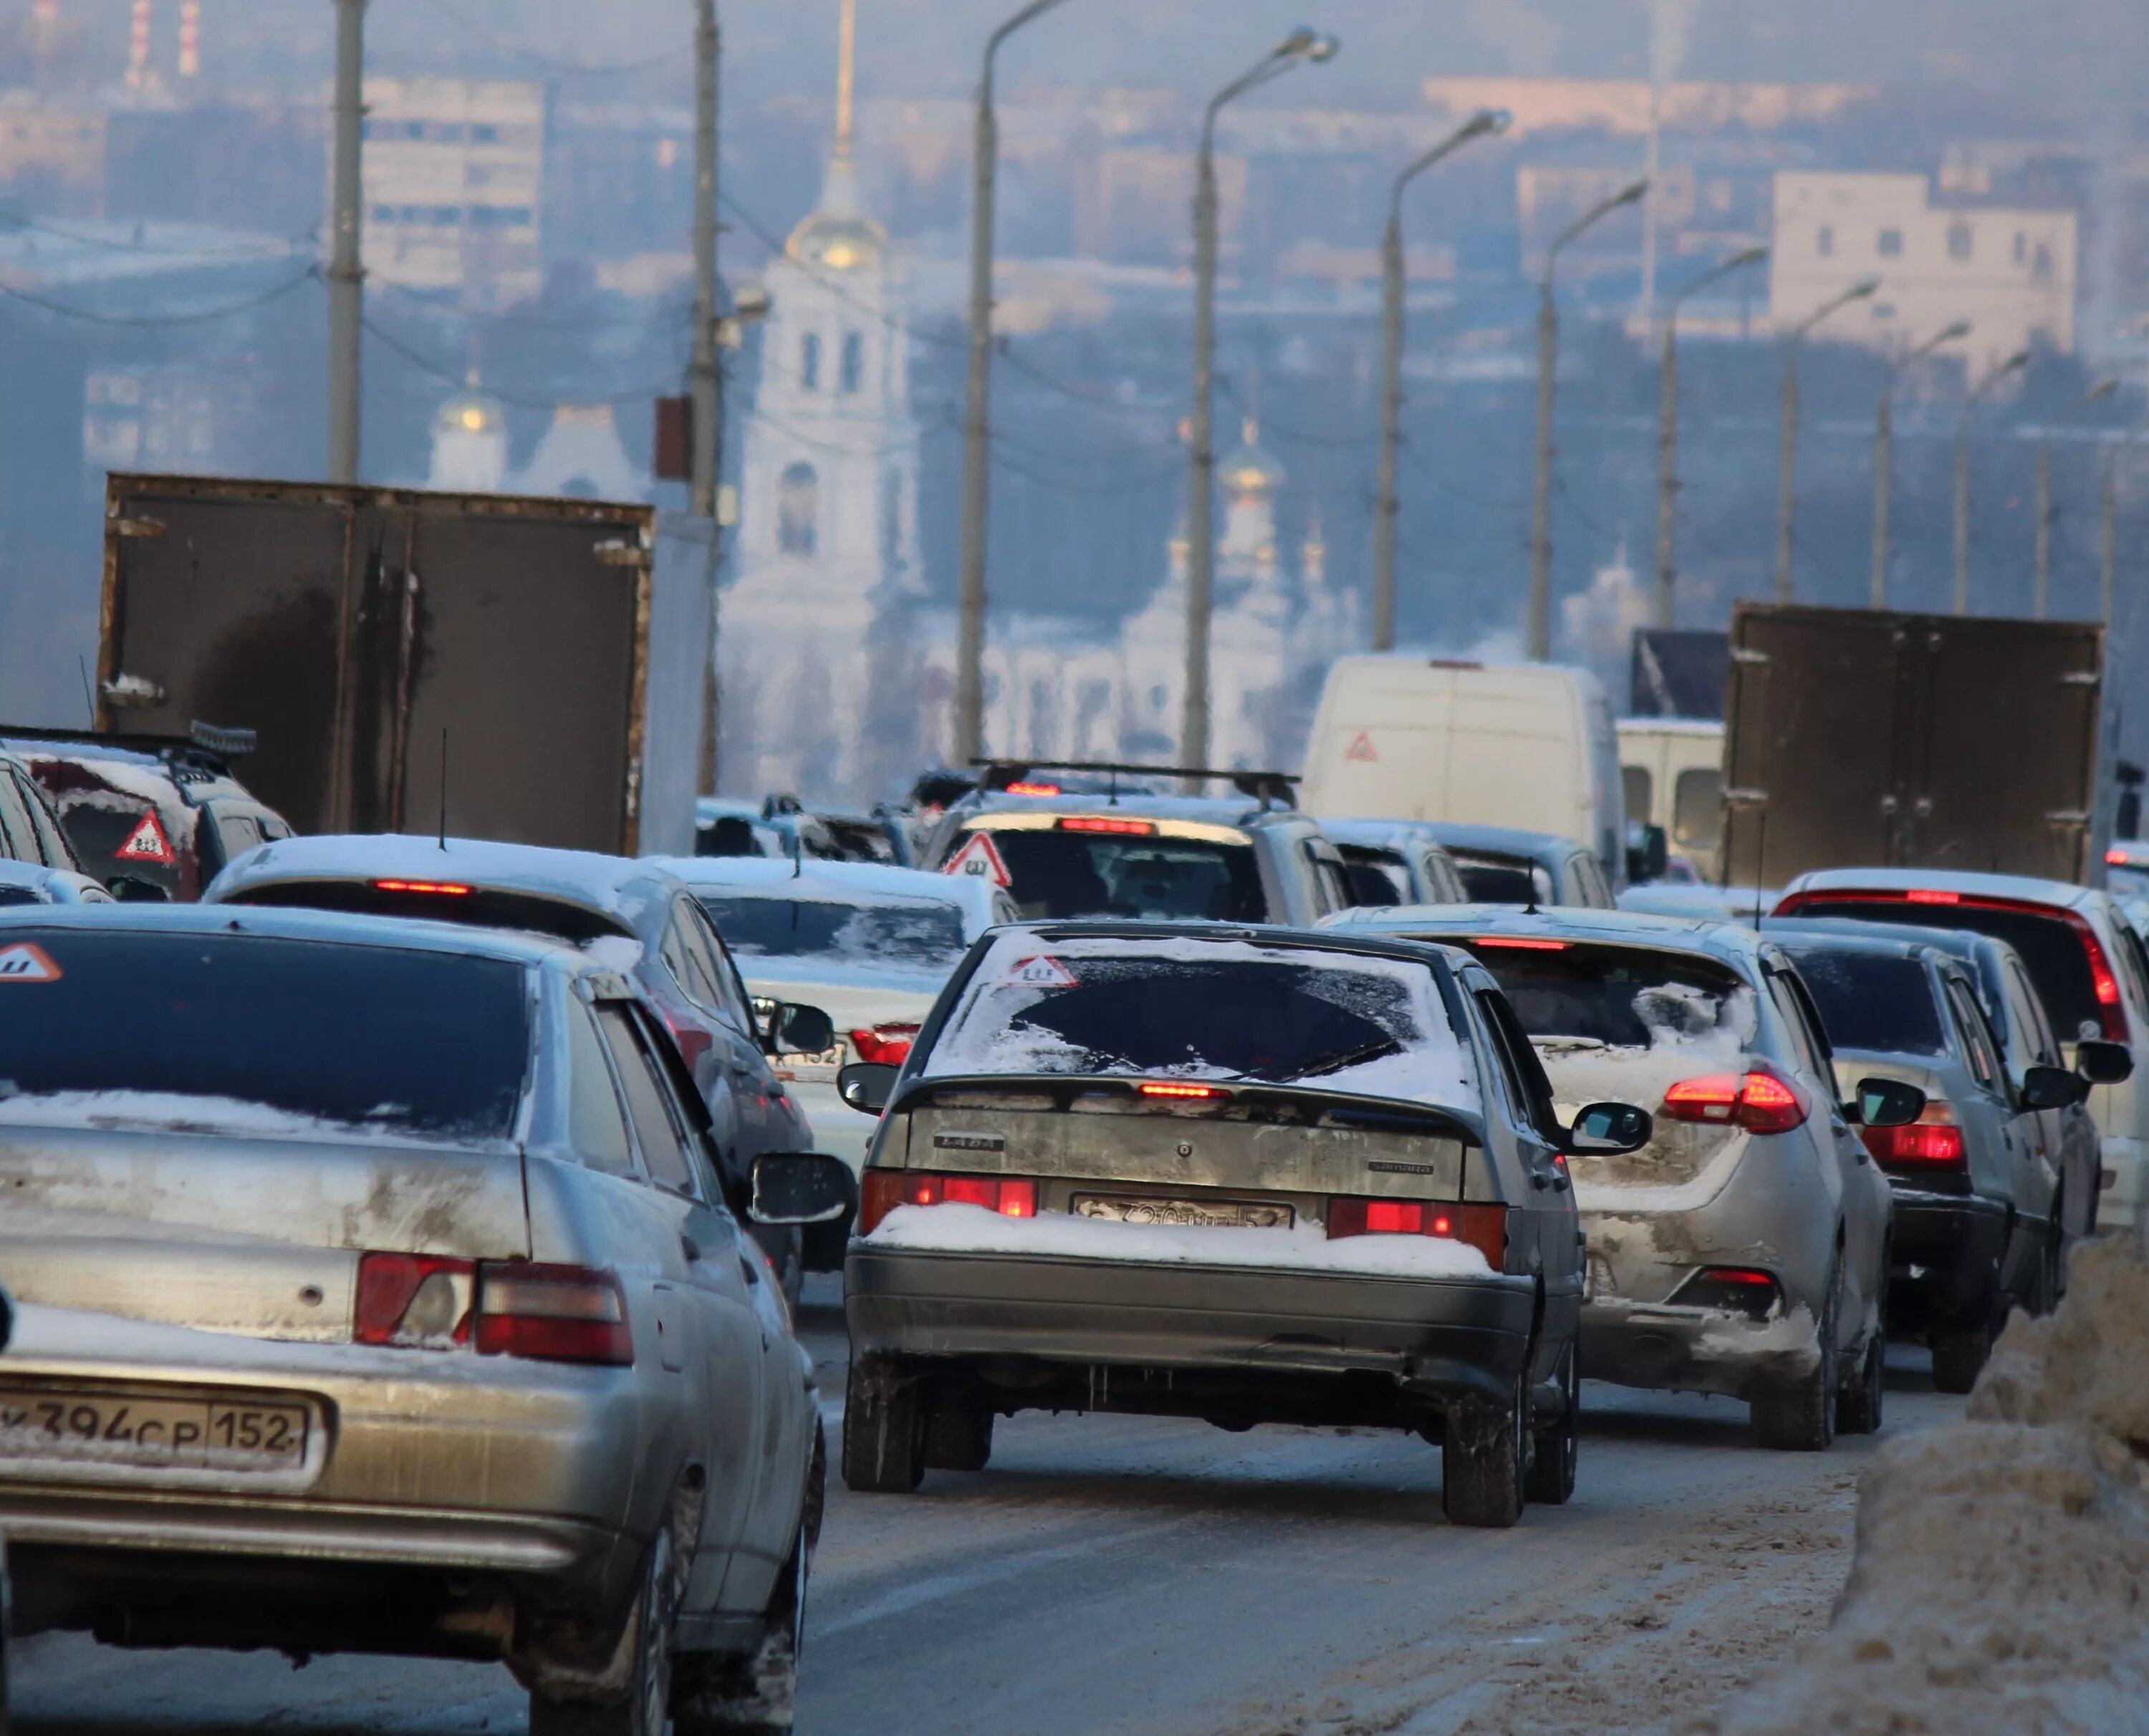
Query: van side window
{"type": "Point", "coordinates": [596, 1127]}
{"type": "Point", "coordinates": [1596, 889]}
{"type": "Point", "coordinates": [1332, 892]}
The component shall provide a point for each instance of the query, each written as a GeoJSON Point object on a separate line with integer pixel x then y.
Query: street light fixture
{"type": "Point", "coordinates": [1539, 637]}
{"type": "Point", "coordinates": [977, 429]}
{"type": "Point", "coordinates": [1884, 456]}
{"type": "Point", "coordinates": [2096, 394]}
{"type": "Point", "coordinates": [1386, 505]}
{"type": "Point", "coordinates": [1788, 484]}
{"type": "Point", "coordinates": [1302, 47]}
{"type": "Point", "coordinates": [2014, 364]}
{"type": "Point", "coordinates": [1668, 484]}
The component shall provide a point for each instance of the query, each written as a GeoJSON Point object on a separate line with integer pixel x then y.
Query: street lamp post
{"type": "Point", "coordinates": [1883, 456]}
{"type": "Point", "coordinates": [2014, 364]}
{"type": "Point", "coordinates": [1385, 505]}
{"type": "Point", "coordinates": [977, 429]}
{"type": "Point", "coordinates": [1667, 483]}
{"type": "Point", "coordinates": [1301, 46]}
{"type": "Point", "coordinates": [1787, 489]}
{"type": "Point", "coordinates": [1538, 633]}
{"type": "Point", "coordinates": [2040, 597]}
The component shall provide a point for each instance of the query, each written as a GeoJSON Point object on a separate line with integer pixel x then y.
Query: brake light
{"type": "Point", "coordinates": [1112, 827]}
{"type": "Point", "coordinates": [1757, 1102]}
{"type": "Point", "coordinates": [438, 889]}
{"type": "Point", "coordinates": [1520, 944]}
{"type": "Point", "coordinates": [1033, 789]}
{"type": "Point", "coordinates": [416, 1301]}
{"type": "Point", "coordinates": [887, 1044]}
{"type": "Point", "coordinates": [2115, 858]}
{"type": "Point", "coordinates": [1924, 895]}
{"type": "Point", "coordinates": [1172, 1088]}
{"type": "Point", "coordinates": [1932, 1141]}
{"type": "Point", "coordinates": [1730, 1290]}
{"type": "Point", "coordinates": [554, 1313]}
{"type": "Point", "coordinates": [887, 1189]}
{"type": "Point", "coordinates": [1483, 1227]}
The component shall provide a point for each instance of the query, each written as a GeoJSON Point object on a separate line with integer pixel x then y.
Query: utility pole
{"type": "Point", "coordinates": [1387, 504]}
{"type": "Point", "coordinates": [706, 422]}
{"type": "Point", "coordinates": [2047, 513]}
{"type": "Point", "coordinates": [1301, 46]}
{"type": "Point", "coordinates": [977, 424]}
{"type": "Point", "coordinates": [1538, 646]}
{"type": "Point", "coordinates": [1787, 486]}
{"type": "Point", "coordinates": [2014, 364]}
{"type": "Point", "coordinates": [1884, 458]}
{"type": "Point", "coordinates": [2108, 539]}
{"type": "Point", "coordinates": [1667, 483]}
{"type": "Point", "coordinates": [346, 277]}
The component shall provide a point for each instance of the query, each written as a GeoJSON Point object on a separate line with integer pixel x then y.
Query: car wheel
{"type": "Point", "coordinates": [1799, 1414]}
{"type": "Point", "coordinates": [1557, 1451]}
{"type": "Point", "coordinates": [1483, 1445]}
{"type": "Point", "coordinates": [1859, 1410]}
{"type": "Point", "coordinates": [883, 1430]}
{"type": "Point", "coordinates": [1959, 1356]}
{"type": "Point", "coordinates": [646, 1707]}
{"type": "Point", "coordinates": [958, 1437]}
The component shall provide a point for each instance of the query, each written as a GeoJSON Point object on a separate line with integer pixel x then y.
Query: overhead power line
{"type": "Point", "coordinates": [202, 317]}
{"type": "Point", "coordinates": [518, 51]}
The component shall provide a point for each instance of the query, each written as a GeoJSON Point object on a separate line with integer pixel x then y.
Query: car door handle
{"type": "Point", "coordinates": [688, 1246]}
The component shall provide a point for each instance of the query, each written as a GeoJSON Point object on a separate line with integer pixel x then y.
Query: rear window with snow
{"type": "Point", "coordinates": [1146, 874]}
{"type": "Point", "coordinates": [1871, 1002]}
{"type": "Point", "coordinates": [1217, 1010]}
{"type": "Point", "coordinates": [896, 934]}
{"type": "Point", "coordinates": [252, 1034]}
{"type": "Point", "coordinates": [1502, 879]}
{"type": "Point", "coordinates": [1573, 996]}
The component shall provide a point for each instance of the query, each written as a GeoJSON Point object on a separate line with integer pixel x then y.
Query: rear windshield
{"type": "Point", "coordinates": [1502, 879]}
{"type": "Point", "coordinates": [114, 836]}
{"type": "Point", "coordinates": [255, 1035]}
{"type": "Point", "coordinates": [454, 904]}
{"type": "Point", "coordinates": [2048, 943]}
{"type": "Point", "coordinates": [1571, 995]}
{"type": "Point", "coordinates": [1201, 1010]}
{"type": "Point", "coordinates": [1873, 1003]}
{"type": "Point", "coordinates": [910, 935]}
{"type": "Point", "coordinates": [1061, 874]}
{"type": "Point", "coordinates": [1377, 878]}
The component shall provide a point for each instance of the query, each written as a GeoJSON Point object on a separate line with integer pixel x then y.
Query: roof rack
{"type": "Point", "coordinates": [209, 746]}
{"type": "Point", "coordinates": [1269, 788]}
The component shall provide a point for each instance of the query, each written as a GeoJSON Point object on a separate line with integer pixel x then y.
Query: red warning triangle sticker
{"type": "Point", "coordinates": [27, 963]}
{"type": "Point", "coordinates": [146, 842]}
{"type": "Point", "coordinates": [1362, 749]}
{"type": "Point", "coordinates": [1041, 970]}
{"type": "Point", "coordinates": [981, 857]}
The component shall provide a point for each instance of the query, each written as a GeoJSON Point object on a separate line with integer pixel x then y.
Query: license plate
{"type": "Point", "coordinates": [1196, 1213]}
{"type": "Point", "coordinates": [157, 1431]}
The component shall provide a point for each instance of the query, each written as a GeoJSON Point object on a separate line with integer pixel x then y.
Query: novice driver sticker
{"type": "Point", "coordinates": [24, 962]}
{"type": "Point", "coordinates": [1041, 970]}
{"type": "Point", "coordinates": [146, 842]}
{"type": "Point", "coordinates": [980, 856]}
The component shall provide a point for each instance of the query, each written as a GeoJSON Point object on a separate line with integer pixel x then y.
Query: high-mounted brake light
{"type": "Point", "coordinates": [1521, 943]}
{"type": "Point", "coordinates": [437, 888]}
{"type": "Point", "coordinates": [1033, 789]}
{"type": "Point", "coordinates": [887, 1044]}
{"type": "Point", "coordinates": [1115, 828]}
{"type": "Point", "coordinates": [1172, 1088]}
{"type": "Point", "coordinates": [2117, 858]}
{"type": "Point", "coordinates": [1931, 895]}
{"type": "Point", "coordinates": [1483, 1227]}
{"type": "Point", "coordinates": [1757, 1102]}
{"type": "Point", "coordinates": [887, 1189]}
{"type": "Point", "coordinates": [503, 1308]}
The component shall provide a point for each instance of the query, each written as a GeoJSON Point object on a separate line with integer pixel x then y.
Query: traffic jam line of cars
{"type": "Point", "coordinates": [405, 1236]}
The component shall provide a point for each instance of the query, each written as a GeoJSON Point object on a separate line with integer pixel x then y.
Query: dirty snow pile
{"type": "Point", "coordinates": [2002, 1561]}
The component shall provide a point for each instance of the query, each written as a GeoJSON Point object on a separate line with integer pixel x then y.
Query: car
{"type": "Point", "coordinates": [2087, 962]}
{"type": "Point", "coordinates": [1245, 1174]}
{"type": "Point", "coordinates": [32, 840]}
{"type": "Point", "coordinates": [1743, 1250]}
{"type": "Point", "coordinates": [1064, 852]}
{"type": "Point", "coordinates": [638, 919]}
{"type": "Point", "coordinates": [23, 883]}
{"type": "Point", "coordinates": [724, 828]}
{"type": "Point", "coordinates": [377, 1292]}
{"type": "Point", "coordinates": [1671, 770]}
{"type": "Point", "coordinates": [871, 945]}
{"type": "Point", "coordinates": [2127, 867]}
{"type": "Point", "coordinates": [1396, 861]}
{"type": "Point", "coordinates": [1976, 1229]}
{"type": "Point", "coordinates": [1500, 865]}
{"type": "Point", "coordinates": [1699, 901]}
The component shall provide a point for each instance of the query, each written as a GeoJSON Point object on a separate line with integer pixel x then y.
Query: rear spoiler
{"type": "Point", "coordinates": [1307, 1105]}
{"type": "Point", "coordinates": [1269, 788]}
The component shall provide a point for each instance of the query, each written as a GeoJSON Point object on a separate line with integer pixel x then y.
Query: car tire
{"type": "Point", "coordinates": [1799, 1415]}
{"type": "Point", "coordinates": [646, 1708]}
{"type": "Point", "coordinates": [883, 1430]}
{"type": "Point", "coordinates": [1864, 1398]}
{"type": "Point", "coordinates": [1484, 1445]}
{"type": "Point", "coordinates": [1959, 1356]}
{"type": "Point", "coordinates": [1557, 1451]}
{"type": "Point", "coordinates": [958, 1437]}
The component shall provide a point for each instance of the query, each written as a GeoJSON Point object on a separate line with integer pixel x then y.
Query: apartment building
{"type": "Point", "coordinates": [454, 189]}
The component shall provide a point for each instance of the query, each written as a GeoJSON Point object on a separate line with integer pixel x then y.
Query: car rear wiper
{"type": "Point", "coordinates": [1320, 1065]}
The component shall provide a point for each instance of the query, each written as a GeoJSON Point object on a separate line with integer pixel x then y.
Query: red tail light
{"type": "Point", "coordinates": [1116, 828]}
{"type": "Point", "coordinates": [1033, 789]}
{"type": "Point", "coordinates": [1759, 1102]}
{"type": "Point", "coordinates": [505, 1308]}
{"type": "Point", "coordinates": [889, 1044]}
{"type": "Point", "coordinates": [1172, 1088]}
{"type": "Point", "coordinates": [887, 1189]}
{"type": "Point", "coordinates": [1519, 943]}
{"type": "Point", "coordinates": [1932, 1142]}
{"type": "Point", "coordinates": [438, 888]}
{"type": "Point", "coordinates": [1483, 1227]}
{"type": "Point", "coordinates": [414, 1300]}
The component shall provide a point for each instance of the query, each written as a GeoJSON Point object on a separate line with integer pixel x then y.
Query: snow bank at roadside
{"type": "Point", "coordinates": [2002, 1561]}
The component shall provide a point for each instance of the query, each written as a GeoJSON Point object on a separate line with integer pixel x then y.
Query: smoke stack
{"type": "Point", "coordinates": [138, 52]}
{"type": "Point", "coordinates": [190, 39]}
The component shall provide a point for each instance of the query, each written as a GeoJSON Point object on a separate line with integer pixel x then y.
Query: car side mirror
{"type": "Point", "coordinates": [131, 889]}
{"type": "Point", "coordinates": [2104, 1063]}
{"type": "Point", "coordinates": [2053, 1088]}
{"type": "Point", "coordinates": [1650, 858]}
{"type": "Point", "coordinates": [802, 1187]}
{"type": "Point", "coordinates": [6, 1332]}
{"type": "Point", "coordinates": [796, 1030]}
{"type": "Point", "coordinates": [867, 1086]}
{"type": "Point", "coordinates": [1885, 1103]}
{"type": "Point", "coordinates": [1608, 1130]}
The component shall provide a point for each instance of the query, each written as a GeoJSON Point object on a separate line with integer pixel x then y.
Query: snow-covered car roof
{"type": "Point", "coordinates": [1543, 847]}
{"type": "Point", "coordinates": [1703, 902]}
{"type": "Point", "coordinates": [833, 883]}
{"type": "Point", "coordinates": [2062, 894]}
{"type": "Point", "coordinates": [1724, 941]}
{"type": "Point", "coordinates": [47, 886]}
{"type": "Point", "coordinates": [618, 887]}
{"type": "Point", "coordinates": [1381, 834]}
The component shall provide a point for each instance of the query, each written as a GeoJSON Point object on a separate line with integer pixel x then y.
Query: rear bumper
{"type": "Point", "coordinates": [1945, 1258]}
{"type": "Point", "coordinates": [1692, 1350]}
{"type": "Point", "coordinates": [1438, 1337]}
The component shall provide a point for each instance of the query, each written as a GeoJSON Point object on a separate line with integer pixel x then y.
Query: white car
{"type": "Point", "coordinates": [874, 944]}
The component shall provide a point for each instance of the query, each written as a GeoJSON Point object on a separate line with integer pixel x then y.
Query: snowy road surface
{"type": "Point", "coordinates": [1122, 1575]}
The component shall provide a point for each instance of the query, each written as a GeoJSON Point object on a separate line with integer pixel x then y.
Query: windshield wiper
{"type": "Point", "coordinates": [1339, 1061]}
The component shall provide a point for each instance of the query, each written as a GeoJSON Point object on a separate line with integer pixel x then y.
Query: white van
{"type": "Point", "coordinates": [1529, 746]}
{"type": "Point", "coordinates": [1671, 773]}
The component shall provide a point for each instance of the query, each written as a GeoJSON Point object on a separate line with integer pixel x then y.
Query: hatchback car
{"type": "Point", "coordinates": [1502, 866]}
{"type": "Point", "coordinates": [2088, 964]}
{"type": "Point", "coordinates": [1244, 1175]}
{"type": "Point", "coordinates": [1977, 1207]}
{"type": "Point", "coordinates": [637, 918]}
{"type": "Point", "coordinates": [377, 1292]}
{"type": "Point", "coordinates": [1743, 1250]}
{"type": "Point", "coordinates": [1397, 862]}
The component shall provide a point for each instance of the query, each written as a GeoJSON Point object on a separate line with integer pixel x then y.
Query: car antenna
{"type": "Point", "coordinates": [1760, 856]}
{"type": "Point", "coordinates": [797, 853]}
{"type": "Point", "coordinates": [88, 698]}
{"type": "Point", "coordinates": [444, 786]}
{"type": "Point", "coordinates": [1113, 800]}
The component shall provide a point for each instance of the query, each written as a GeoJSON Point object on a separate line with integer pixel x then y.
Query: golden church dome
{"type": "Point", "coordinates": [1251, 471]}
